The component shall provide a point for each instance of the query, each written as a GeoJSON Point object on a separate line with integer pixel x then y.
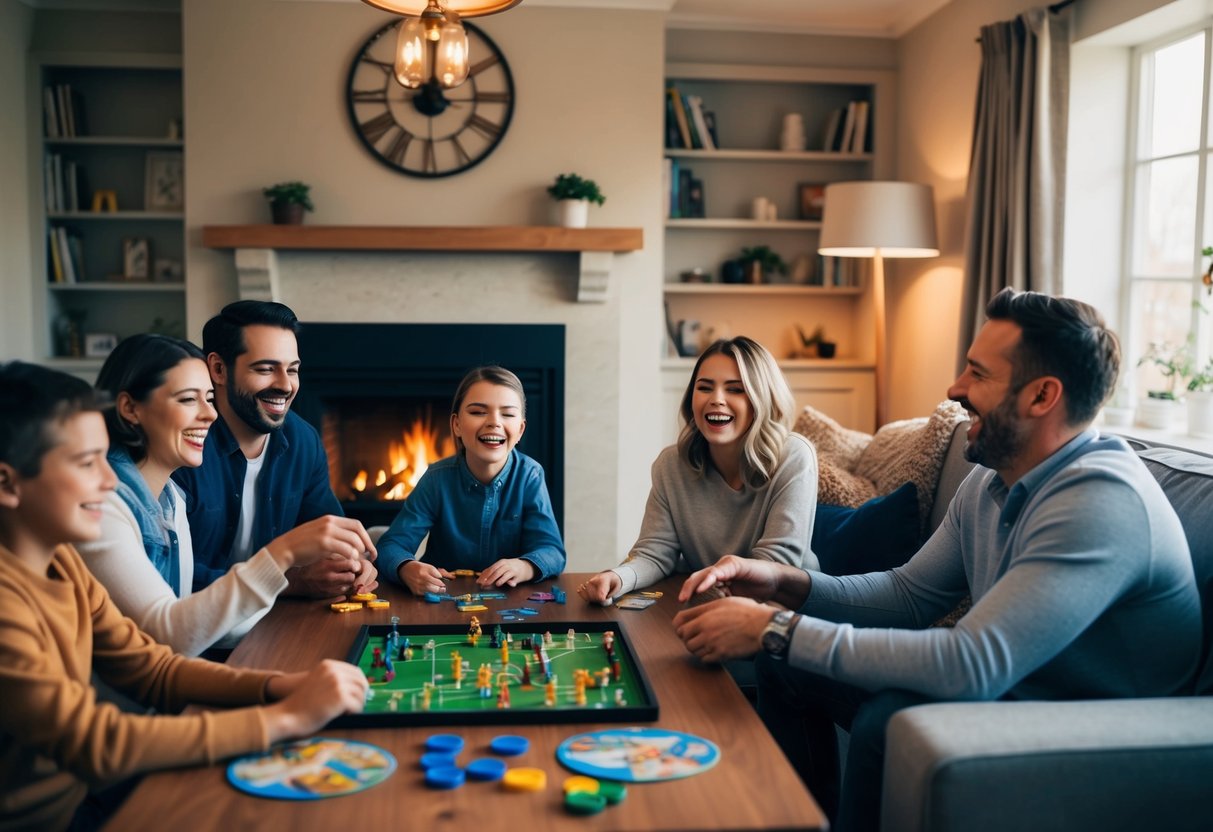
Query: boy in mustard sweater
{"type": "Point", "coordinates": [57, 624]}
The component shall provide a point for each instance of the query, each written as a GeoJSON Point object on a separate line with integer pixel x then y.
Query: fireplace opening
{"type": "Point", "coordinates": [380, 396]}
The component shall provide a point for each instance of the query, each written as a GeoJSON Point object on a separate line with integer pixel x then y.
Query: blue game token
{"type": "Point", "coordinates": [508, 745]}
{"type": "Point", "coordinates": [486, 768]}
{"type": "Point", "coordinates": [434, 598]}
{"type": "Point", "coordinates": [444, 777]}
{"type": "Point", "coordinates": [450, 743]}
{"type": "Point", "coordinates": [437, 759]}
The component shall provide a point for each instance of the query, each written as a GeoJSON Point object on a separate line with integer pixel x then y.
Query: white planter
{"type": "Point", "coordinates": [1200, 414]}
{"type": "Point", "coordinates": [574, 213]}
{"type": "Point", "coordinates": [1160, 414]}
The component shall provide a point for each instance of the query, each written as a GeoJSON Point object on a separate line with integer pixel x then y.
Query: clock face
{"type": "Point", "coordinates": [430, 131]}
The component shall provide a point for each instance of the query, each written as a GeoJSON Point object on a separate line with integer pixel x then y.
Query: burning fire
{"type": "Point", "coordinates": [407, 460]}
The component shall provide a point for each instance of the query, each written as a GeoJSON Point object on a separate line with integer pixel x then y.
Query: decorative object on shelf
{"type": "Point", "coordinates": [164, 182]}
{"type": "Point", "coordinates": [877, 220]}
{"type": "Point", "coordinates": [105, 199]}
{"type": "Point", "coordinates": [802, 270]}
{"type": "Point", "coordinates": [695, 275]}
{"type": "Point", "coordinates": [162, 326]}
{"type": "Point", "coordinates": [175, 131]}
{"type": "Point", "coordinates": [167, 270]}
{"type": "Point", "coordinates": [136, 258]}
{"type": "Point", "coordinates": [67, 333]}
{"type": "Point", "coordinates": [792, 138]}
{"type": "Point", "coordinates": [812, 201]}
{"type": "Point", "coordinates": [815, 345]}
{"type": "Point", "coordinates": [573, 195]}
{"type": "Point", "coordinates": [763, 209]}
{"type": "Point", "coordinates": [99, 344]}
{"type": "Point", "coordinates": [760, 263]}
{"type": "Point", "coordinates": [288, 201]}
{"type": "Point", "coordinates": [430, 131]}
{"type": "Point", "coordinates": [732, 271]}
{"type": "Point", "coordinates": [690, 335]}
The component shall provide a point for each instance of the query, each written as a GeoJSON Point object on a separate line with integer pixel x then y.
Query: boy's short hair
{"type": "Point", "coordinates": [33, 399]}
{"type": "Point", "coordinates": [224, 333]}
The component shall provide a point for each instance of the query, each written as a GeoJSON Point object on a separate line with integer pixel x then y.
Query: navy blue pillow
{"type": "Point", "coordinates": [880, 534]}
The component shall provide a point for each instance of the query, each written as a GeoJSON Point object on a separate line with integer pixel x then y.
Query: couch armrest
{"type": "Point", "coordinates": [953, 472]}
{"type": "Point", "coordinates": [1107, 764]}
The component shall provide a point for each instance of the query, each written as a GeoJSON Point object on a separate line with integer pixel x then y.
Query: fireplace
{"type": "Point", "coordinates": [380, 395]}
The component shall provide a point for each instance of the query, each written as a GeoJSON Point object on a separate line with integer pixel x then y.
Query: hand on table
{"type": "Point", "coordinates": [310, 700]}
{"type": "Point", "coordinates": [421, 577]}
{"type": "Point", "coordinates": [728, 628]}
{"type": "Point", "coordinates": [326, 558]}
{"type": "Point", "coordinates": [508, 572]}
{"type": "Point", "coordinates": [602, 588]}
{"type": "Point", "coordinates": [749, 577]}
{"type": "Point", "coordinates": [333, 578]}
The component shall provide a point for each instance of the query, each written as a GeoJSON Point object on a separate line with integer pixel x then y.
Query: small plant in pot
{"type": "Point", "coordinates": [574, 196]}
{"type": "Point", "coordinates": [815, 345]}
{"type": "Point", "coordinates": [760, 263]}
{"type": "Point", "coordinates": [288, 201]}
{"type": "Point", "coordinates": [1160, 408]}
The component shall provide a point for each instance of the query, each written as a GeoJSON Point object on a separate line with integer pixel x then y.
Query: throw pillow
{"type": "Point", "coordinates": [878, 535]}
{"type": "Point", "coordinates": [838, 449]}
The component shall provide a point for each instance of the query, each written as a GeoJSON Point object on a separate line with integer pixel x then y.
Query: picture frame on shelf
{"type": "Point", "coordinates": [812, 201]}
{"type": "Point", "coordinates": [167, 270]}
{"type": "Point", "coordinates": [136, 258]}
{"type": "Point", "coordinates": [164, 182]}
{"type": "Point", "coordinates": [99, 344]}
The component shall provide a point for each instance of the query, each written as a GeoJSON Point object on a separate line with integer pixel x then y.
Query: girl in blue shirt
{"type": "Point", "coordinates": [485, 508]}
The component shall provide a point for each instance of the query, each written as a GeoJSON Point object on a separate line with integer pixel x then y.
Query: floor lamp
{"type": "Point", "coordinates": [878, 220]}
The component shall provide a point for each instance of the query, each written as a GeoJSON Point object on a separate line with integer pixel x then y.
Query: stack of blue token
{"type": "Point", "coordinates": [486, 768]}
{"type": "Point", "coordinates": [509, 746]}
{"type": "Point", "coordinates": [444, 777]}
{"type": "Point", "coordinates": [437, 759]}
{"type": "Point", "coordinates": [449, 743]}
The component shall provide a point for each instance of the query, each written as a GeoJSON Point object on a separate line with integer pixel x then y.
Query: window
{"type": "Point", "coordinates": [1170, 214]}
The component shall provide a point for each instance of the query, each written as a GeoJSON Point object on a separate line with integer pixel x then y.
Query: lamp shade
{"type": "Point", "coordinates": [463, 8]}
{"type": "Point", "coordinates": [898, 218]}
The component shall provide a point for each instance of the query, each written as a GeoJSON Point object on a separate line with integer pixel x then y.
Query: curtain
{"type": "Point", "coordinates": [1016, 189]}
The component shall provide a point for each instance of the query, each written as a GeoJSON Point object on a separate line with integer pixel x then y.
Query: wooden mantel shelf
{"type": "Point", "coordinates": [257, 245]}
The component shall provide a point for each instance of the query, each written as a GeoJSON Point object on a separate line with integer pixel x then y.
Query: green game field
{"type": "Point", "coordinates": [402, 700]}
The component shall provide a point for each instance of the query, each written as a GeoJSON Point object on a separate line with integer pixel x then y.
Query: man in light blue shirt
{"type": "Point", "coordinates": [1078, 568]}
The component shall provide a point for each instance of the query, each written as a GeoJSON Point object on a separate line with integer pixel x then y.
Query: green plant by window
{"type": "Point", "coordinates": [290, 193]}
{"type": "Point", "coordinates": [1176, 364]}
{"type": "Point", "coordinates": [572, 186]}
{"type": "Point", "coordinates": [770, 260]}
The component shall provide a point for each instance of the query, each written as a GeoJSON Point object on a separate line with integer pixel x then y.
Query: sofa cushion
{"type": "Point", "coordinates": [880, 534]}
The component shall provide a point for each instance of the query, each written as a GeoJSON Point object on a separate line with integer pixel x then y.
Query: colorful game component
{"type": "Point", "coordinates": [449, 743]}
{"type": "Point", "coordinates": [541, 596]}
{"type": "Point", "coordinates": [445, 777]}
{"type": "Point", "coordinates": [580, 783]}
{"type": "Point", "coordinates": [491, 596]}
{"type": "Point", "coordinates": [345, 606]}
{"type": "Point", "coordinates": [437, 759]}
{"type": "Point", "coordinates": [508, 745]}
{"type": "Point", "coordinates": [488, 769]}
{"type": "Point", "coordinates": [584, 803]}
{"type": "Point", "coordinates": [558, 594]}
{"type": "Point", "coordinates": [525, 780]}
{"type": "Point", "coordinates": [378, 604]}
{"type": "Point", "coordinates": [462, 573]}
{"type": "Point", "coordinates": [612, 791]}
{"type": "Point", "coordinates": [651, 593]}
{"type": "Point", "coordinates": [472, 608]}
{"type": "Point", "coordinates": [364, 596]}
{"type": "Point", "coordinates": [434, 598]}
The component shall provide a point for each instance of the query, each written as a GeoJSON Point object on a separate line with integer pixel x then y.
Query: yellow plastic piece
{"type": "Point", "coordinates": [345, 606]}
{"type": "Point", "coordinates": [364, 596]}
{"type": "Point", "coordinates": [655, 593]}
{"type": "Point", "coordinates": [462, 573]}
{"type": "Point", "coordinates": [378, 604]}
{"type": "Point", "coordinates": [525, 780]}
{"type": "Point", "coordinates": [472, 608]}
{"type": "Point", "coordinates": [578, 783]}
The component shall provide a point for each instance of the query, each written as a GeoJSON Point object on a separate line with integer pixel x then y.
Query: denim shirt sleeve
{"type": "Point", "coordinates": [399, 543]}
{"type": "Point", "coordinates": [541, 543]}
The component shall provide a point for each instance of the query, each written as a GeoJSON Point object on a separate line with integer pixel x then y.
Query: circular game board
{"type": "Point", "coordinates": [312, 769]}
{"type": "Point", "coordinates": [637, 755]}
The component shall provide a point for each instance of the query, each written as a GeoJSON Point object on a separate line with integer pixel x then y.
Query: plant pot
{"type": "Point", "coordinates": [1117, 417]}
{"type": "Point", "coordinates": [287, 213]}
{"type": "Point", "coordinates": [574, 213]}
{"type": "Point", "coordinates": [732, 271]}
{"type": "Point", "coordinates": [753, 272]}
{"type": "Point", "coordinates": [826, 349]}
{"type": "Point", "coordinates": [1200, 414]}
{"type": "Point", "coordinates": [1159, 414]}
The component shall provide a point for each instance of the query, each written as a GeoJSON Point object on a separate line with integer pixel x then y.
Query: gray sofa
{"type": "Point", "coordinates": [1088, 765]}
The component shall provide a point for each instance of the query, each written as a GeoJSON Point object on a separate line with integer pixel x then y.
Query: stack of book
{"type": "Point", "coordinates": [839, 271]}
{"type": "Point", "coordinates": [683, 192]}
{"type": "Point", "coordinates": [63, 185]}
{"type": "Point", "coordinates": [687, 125]}
{"type": "Point", "coordinates": [64, 112]}
{"type": "Point", "coordinates": [65, 256]}
{"type": "Point", "coordinates": [847, 129]}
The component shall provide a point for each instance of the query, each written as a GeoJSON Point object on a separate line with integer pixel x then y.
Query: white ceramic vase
{"type": "Point", "coordinates": [1200, 414]}
{"type": "Point", "coordinates": [574, 213]}
{"type": "Point", "coordinates": [1159, 414]}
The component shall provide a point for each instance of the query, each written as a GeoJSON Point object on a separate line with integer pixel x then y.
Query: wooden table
{"type": "Point", "coordinates": [752, 787]}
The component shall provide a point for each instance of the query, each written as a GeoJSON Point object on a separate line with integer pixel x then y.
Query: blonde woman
{"type": "Point", "coordinates": [738, 481]}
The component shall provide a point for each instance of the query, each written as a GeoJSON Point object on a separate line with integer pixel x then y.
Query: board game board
{"type": "Point", "coordinates": [585, 684]}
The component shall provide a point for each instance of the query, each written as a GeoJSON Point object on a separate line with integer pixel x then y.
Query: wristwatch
{"type": "Point", "coordinates": [777, 636]}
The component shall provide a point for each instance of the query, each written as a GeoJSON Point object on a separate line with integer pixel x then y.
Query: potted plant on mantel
{"type": "Point", "coordinates": [760, 263]}
{"type": "Point", "coordinates": [288, 201]}
{"type": "Point", "coordinates": [574, 195]}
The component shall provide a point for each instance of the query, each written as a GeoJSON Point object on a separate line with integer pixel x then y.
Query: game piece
{"type": "Point", "coordinates": [491, 596]}
{"type": "Point", "coordinates": [608, 641]}
{"type": "Point", "coordinates": [436, 759]}
{"type": "Point", "coordinates": [637, 755]}
{"type": "Point", "coordinates": [508, 745]}
{"type": "Point", "coordinates": [503, 694]}
{"type": "Point", "coordinates": [450, 743]}
{"type": "Point", "coordinates": [584, 803]}
{"type": "Point", "coordinates": [395, 619]}
{"type": "Point", "coordinates": [445, 777]}
{"type": "Point", "coordinates": [631, 602]}
{"type": "Point", "coordinates": [312, 769]}
{"type": "Point", "coordinates": [558, 594]}
{"type": "Point", "coordinates": [707, 596]}
{"type": "Point", "coordinates": [376, 658]}
{"type": "Point", "coordinates": [580, 783]}
{"type": "Point", "coordinates": [434, 598]}
{"type": "Point", "coordinates": [345, 606]}
{"type": "Point", "coordinates": [525, 780]}
{"type": "Point", "coordinates": [542, 597]}
{"type": "Point", "coordinates": [570, 639]}
{"type": "Point", "coordinates": [613, 792]}
{"type": "Point", "coordinates": [456, 668]}
{"type": "Point", "coordinates": [378, 604]}
{"type": "Point", "coordinates": [462, 573]}
{"type": "Point", "coordinates": [650, 593]}
{"type": "Point", "coordinates": [472, 607]}
{"type": "Point", "coordinates": [364, 596]}
{"type": "Point", "coordinates": [484, 680]}
{"type": "Point", "coordinates": [488, 769]}
{"type": "Point", "coordinates": [549, 692]}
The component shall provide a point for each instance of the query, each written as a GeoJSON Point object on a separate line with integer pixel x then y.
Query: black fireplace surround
{"type": "Point", "coordinates": [414, 367]}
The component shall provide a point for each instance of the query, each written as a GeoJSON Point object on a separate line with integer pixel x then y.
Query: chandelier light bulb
{"type": "Point", "coordinates": [412, 50]}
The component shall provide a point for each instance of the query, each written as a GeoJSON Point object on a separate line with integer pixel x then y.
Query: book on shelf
{"type": "Point", "coordinates": [860, 140]}
{"type": "Point", "coordinates": [696, 142]}
{"type": "Point", "coordinates": [56, 265]}
{"type": "Point", "coordinates": [50, 112]}
{"type": "Point", "coordinates": [848, 129]}
{"type": "Point", "coordinates": [695, 200]}
{"type": "Point", "coordinates": [709, 118]}
{"type": "Point", "coordinates": [833, 132]}
{"type": "Point", "coordinates": [701, 125]}
{"type": "Point", "coordinates": [680, 117]}
{"type": "Point", "coordinates": [71, 173]}
{"type": "Point", "coordinates": [673, 137]}
{"type": "Point", "coordinates": [684, 191]}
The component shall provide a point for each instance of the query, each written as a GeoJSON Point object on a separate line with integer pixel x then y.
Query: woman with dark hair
{"type": "Point", "coordinates": [163, 408]}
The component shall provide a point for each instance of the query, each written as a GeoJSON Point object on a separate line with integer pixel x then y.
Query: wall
{"type": "Point", "coordinates": [16, 29]}
{"type": "Point", "coordinates": [265, 103]}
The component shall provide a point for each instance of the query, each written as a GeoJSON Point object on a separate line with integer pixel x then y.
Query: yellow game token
{"type": "Point", "coordinates": [364, 596]}
{"type": "Point", "coordinates": [525, 780]}
{"type": "Point", "coordinates": [378, 604]}
{"type": "Point", "coordinates": [472, 608]}
{"type": "Point", "coordinates": [345, 606]}
{"type": "Point", "coordinates": [462, 573]}
{"type": "Point", "coordinates": [577, 783]}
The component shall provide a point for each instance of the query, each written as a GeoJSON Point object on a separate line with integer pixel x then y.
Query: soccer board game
{"type": "Point", "coordinates": [518, 673]}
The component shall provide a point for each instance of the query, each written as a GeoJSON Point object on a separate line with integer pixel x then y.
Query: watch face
{"type": "Point", "coordinates": [429, 131]}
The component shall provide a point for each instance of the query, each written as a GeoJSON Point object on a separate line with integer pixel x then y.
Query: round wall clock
{"type": "Point", "coordinates": [430, 131]}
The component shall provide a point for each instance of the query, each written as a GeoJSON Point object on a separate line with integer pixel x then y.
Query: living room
{"type": "Point", "coordinates": [264, 92]}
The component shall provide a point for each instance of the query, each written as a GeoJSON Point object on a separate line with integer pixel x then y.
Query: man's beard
{"type": "Point", "coordinates": [244, 405]}
{"type": "Point", "coordinates": [1001, 438]}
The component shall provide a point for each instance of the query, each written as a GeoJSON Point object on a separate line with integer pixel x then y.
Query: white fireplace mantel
{"type": "Point", "coordinates": [256, 247]}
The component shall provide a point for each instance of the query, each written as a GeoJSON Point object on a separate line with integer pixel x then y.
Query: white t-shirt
{"type": "Point", "coordinates": [242, 543]}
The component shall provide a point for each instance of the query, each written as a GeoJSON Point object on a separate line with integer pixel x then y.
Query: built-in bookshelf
{"type": "Point", "coordinates": [110, 252]}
